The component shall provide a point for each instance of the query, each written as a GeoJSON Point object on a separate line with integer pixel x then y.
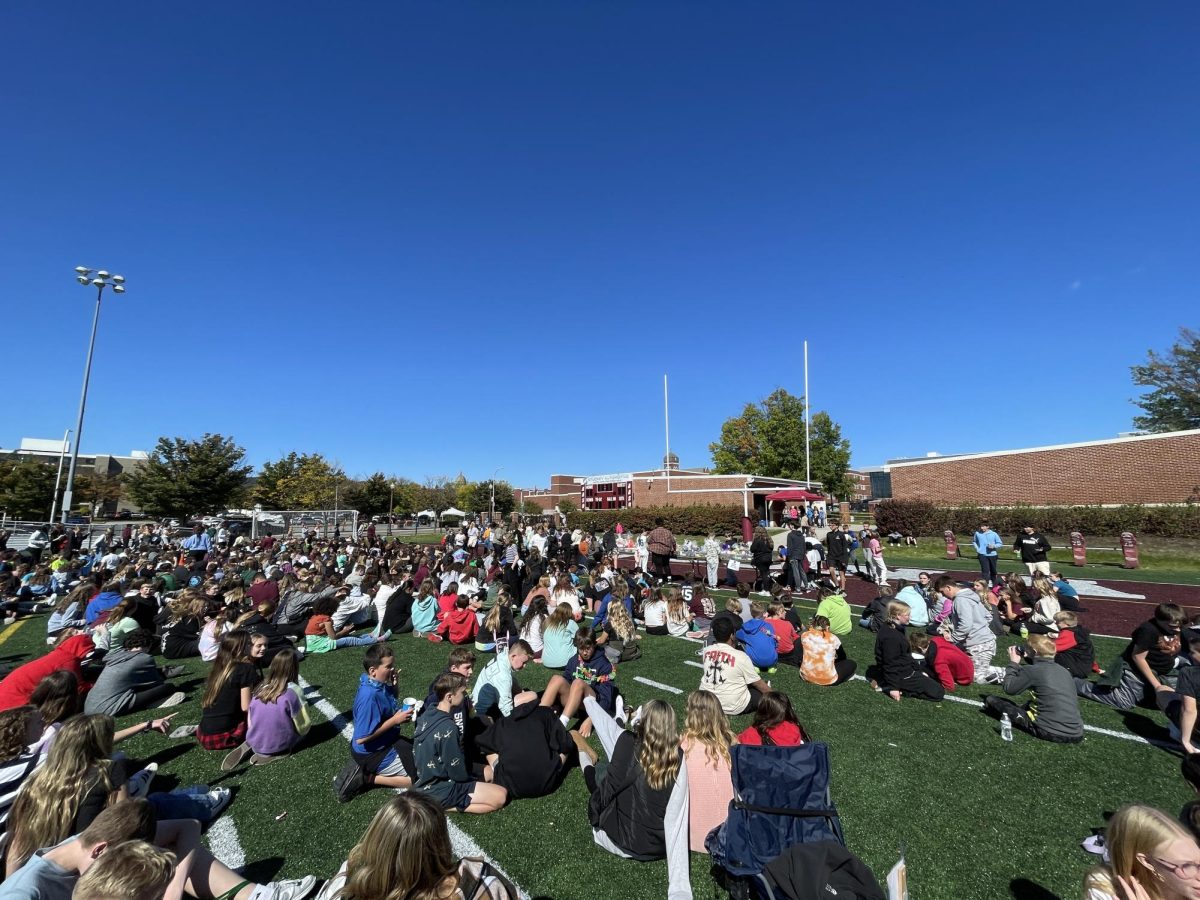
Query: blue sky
{"type": "Point", "coordinates": [427, 238]}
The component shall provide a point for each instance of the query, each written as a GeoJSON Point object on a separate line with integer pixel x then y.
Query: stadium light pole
{"type": "Point", "coordinates": [62, 454]}
{"type": "Point", "coordinates": [101, 280]}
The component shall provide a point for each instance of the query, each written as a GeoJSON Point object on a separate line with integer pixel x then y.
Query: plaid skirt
{"type": "Point", "coordinates": [226, 740]}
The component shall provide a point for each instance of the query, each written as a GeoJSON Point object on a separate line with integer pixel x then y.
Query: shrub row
{"type": "Point", "coordinates": [680, 519]}
{"type": "Point", "coordinates": [924, 519]}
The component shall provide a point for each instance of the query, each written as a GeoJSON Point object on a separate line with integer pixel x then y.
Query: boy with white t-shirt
{"type": "Point", "coordinates": [729, 673]}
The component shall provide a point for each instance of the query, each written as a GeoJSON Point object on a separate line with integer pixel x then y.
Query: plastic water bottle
{"type": "Point", "coordinates": [1005, 727]}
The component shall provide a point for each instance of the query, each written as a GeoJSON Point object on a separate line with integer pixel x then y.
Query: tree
{"type": "Point", "coordinates": [99, 488]}
{"type": "Point", "coordinates": [476, 497]}
{"type": "Point", "coordinates": [767, 439]}
{"type": "Point", "coordinates": [27, 488]}
{"type": "Point", "coordinates": [184, 478]}
{"type": "Point", "coordinates": [298, 481]}
{"type": "Point", "coordinates": [370, 497]}
{"type": "Point", "coordinates": [1173, 403]}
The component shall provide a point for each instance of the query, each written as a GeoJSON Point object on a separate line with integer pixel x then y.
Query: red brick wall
{"type": "Point", "coordinates": [1159, 470]}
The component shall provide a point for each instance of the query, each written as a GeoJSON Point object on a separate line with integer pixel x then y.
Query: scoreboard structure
{"type": "Point", "coordinates": [607, 492]}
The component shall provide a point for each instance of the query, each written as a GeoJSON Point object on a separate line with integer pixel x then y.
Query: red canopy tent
{"type": "Point", "coordinates": [793, 494]}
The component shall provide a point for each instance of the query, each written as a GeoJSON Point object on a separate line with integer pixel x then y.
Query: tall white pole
{"type": "Point", "coordinates": [667, 419]}
{"type": "Point", "coordinates": [807, 425]}
{"type": "Point", "coordinates": [58, 478]}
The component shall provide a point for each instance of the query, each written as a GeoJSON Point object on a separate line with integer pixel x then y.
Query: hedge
{"type": "Point", "coordinates": [680, 519]}
{"type": "Point", "coordinates": [922, 518]}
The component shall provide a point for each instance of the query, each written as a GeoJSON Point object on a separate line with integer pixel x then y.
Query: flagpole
{"type": "Point", "coordinates": [667, 421]}
{"type": "Point", "coordinates": [807, 425]}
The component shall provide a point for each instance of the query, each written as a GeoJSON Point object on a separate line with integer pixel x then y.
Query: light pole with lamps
{"type": "Point", "coordinates": [101, 279]}
{"type": "Point", "coordinates": [492, 503]}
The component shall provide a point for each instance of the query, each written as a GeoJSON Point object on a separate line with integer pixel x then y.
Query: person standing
{"type": "Point", "coordinates": [642, 551]}
{"type": "Point", "coordinates": [1033, 547]}
{"type": "Point", "coordinates": [987, 549]}
{"type": "Point", "coordinates": [837, 542]}
{"type": "Point", "coordinates": [712, 558]}
{"type": "Point", "coordinates": [796, 549]}
{"type": "Point", "coordinates": [199, 545]}
{"type": "Point", "coordinates": [661, 544]}
{"type": "Point", "coordinates": [38, 542]}
{"type": "Point", "coordinates": [762, 552]}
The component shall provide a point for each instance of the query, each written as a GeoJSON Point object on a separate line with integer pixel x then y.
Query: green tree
{"type": "Point", "coordinates": [566, 506]}
{"type": "Point", "coordinates": [184, 478]}
{"type": "Point", "coordinates": [103, 489]}
{"type": "Point", "coordinates": [406, 496]}
{"type": "Point", "coordinates": [767, 439]}
{"type": "Point", "coordinates": [830, 456]}
{"type": "Point", "coordinates": [27, 488]}
{"type": "Point", "coordinates": [370, 497]}
{"type": "Point", "coordinates": [1173, 401]}
{"type": "Point", "coordinates": [299, 481]}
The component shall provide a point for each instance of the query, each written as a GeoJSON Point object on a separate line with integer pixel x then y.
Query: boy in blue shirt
{"type": "Point", "coordinates": [758, 639]}
{"type": "Point", "coordinates": [378, 754]}
{"type": "Point", "coordinates": [987, 547]}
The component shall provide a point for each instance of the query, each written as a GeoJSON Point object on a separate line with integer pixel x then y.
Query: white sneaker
{"type": "Point", "coordinates": [139, 782]}
{"type": "Point", "coordinates": [221, 798]}
{"type": "Point", "coordinates": [174, 700]}
{"type": "Point", "coordinates": [294, 889]}
{"type": "Point", "coordinates": [183, 731]}
{"type": "Point", "coordinates": [764, 593]}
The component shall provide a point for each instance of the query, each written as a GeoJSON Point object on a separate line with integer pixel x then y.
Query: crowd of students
{"type": "Point", "coordinates": [520, 596]}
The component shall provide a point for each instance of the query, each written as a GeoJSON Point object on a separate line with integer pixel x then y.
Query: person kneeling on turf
{"type": "Point", "coordinates": [442, 767]}
{"type": "Point", "coordinates": [895, 671]}
{"type": "Point", "coordinates": [1053, 713]}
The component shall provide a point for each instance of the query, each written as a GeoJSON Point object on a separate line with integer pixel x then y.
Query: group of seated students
{"type": "Point", "coordinates": [254, 614]}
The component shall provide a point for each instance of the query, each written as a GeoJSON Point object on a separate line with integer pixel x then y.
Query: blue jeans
{"type": "Point", "coordinates": [987, 568]}
{"type": "Point", "coordinates": [351, 641]}
{"type": "Point", "coordinates": [191, 802]}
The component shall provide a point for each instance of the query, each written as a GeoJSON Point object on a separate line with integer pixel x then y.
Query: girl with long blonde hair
{"type": "Point", "coordinates": [706, 740]}
{"type": "Point", "coordinates": [1151, 857]}
{"type": "Point", "coordinates": [640, 809]}
{"type": "Point", "coordinates": [405, 854]}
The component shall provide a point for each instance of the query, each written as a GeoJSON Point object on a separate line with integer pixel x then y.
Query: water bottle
{"type": "Point", "coordinates": [1005, 727]}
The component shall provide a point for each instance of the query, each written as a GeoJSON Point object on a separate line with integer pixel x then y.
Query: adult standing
{"type": "Point", "coordinates": [38, 542]}
{"type": "Point", "coordinates": [762, 552]}
{"type": "Point", "coordinates": [796, 550]}
{"type": "Point", "coordinates": [712, 558]}
{"type": "Point", "coordinates": [199, 545]}
{"type": "Point", "coordinates": [661, 544]}
{"type": "Point", "coordinates": [987, 549]}
{"type": "Point", "coordinates": [837, 543]}
{"type": "Point", "coordinates": [1033, 547]}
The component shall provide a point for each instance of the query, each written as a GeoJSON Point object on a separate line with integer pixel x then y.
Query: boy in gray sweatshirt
{"type": "Point", "coordinates": [1053, 713]}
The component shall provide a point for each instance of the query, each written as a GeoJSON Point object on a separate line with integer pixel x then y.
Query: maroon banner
{"type": "Point", "coordinates": [1078, 549]}
{"type": "Point", "coordinates": [951, 544]}
{"type": "Point", "coordinates": [1129, 547]}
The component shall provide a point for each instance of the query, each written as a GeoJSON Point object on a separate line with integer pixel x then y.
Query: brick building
{"type": "Point", "coordinates": [1142, 468]}
{"type": "Point", "coordinates": [860, 485]}
{"type": "Point", "coordinates": [668, 486]}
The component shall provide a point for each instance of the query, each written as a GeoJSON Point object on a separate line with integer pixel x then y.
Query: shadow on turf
{"type": "Point", "coordinates": [263, 871]}
{"type": "Point", "coordinates": [1024, 889]}
{"type": "Point", "coordinates": [1139, 723]}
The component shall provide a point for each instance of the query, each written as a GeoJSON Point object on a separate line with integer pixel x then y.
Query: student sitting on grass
{"type": "Point", "coordinates": [822, 660]}
{"type": "Point", "coordinates": [639, 808]}
{"type": "Point", "coordinates": [406, 853]}
{"type": "Point", "coordinates": [130, 681]}
{"type": "Point", "coordinates": [1146, 666]}
{"type": "Point", "coordinates": [758, 639]}
{"type": "Point", "coordinates": [495, 690]}
{"type": "Point", "coordinates": [775, 723]}
{"type": "Point", "coordinates": [461, 662]}
{"type": "Point", "coordinates": [706, 740]}
{"type": "Point", "coordinates": [833, 607]}
{"type": "Point", "coordinates": [319, 634]}
{"type": "Point", "coordinates": [226, 698]}
{"type": "Point", "coordinates": [1151, 857]}
{"type": "Point", "coordinates": [919, 609]}
{"type": "Point", "coordinates": [558, 636]}
{"type": "Point", "coordinates": [874, 614]}
{"type": "Point", "coordinates": [679, 617]}
{"type": "Point", "coordinates": [441, 762]}
{"type": "Point", "coordinates": [460, 625]}
{"type": "Point", "coordinates": [619, 636]}
{"type": "Point", "coordinates": [1073, 649]}
{"type": "Point", "coordinates": [425, 611]}
{"type": "Point", "coordinates": [970, 626]}
{"type": "Point", "coordinates": [1053, 713]}
{"type": "Point", "coordinates": [18, 685]}
{"type": "Point", "coordinates": [1180, 704]}
{"type": "Point", "coordinates": [527, 751]}
{"type": "Point", "coordinates": [895, 672]}
{"type": "Point", "coordinates": [949, 665]}
{"type": "Point", "coordinates": [654, 614]}
{"type": "Point", "coordinates": [278, 718]}
{"type": "Point", "coordinates": [499, 628]}
{"type": "Point", "coordinates": [378, 753]}
{"type": "Point", "coordinates": [55, 871]}
{"type": "Point", "coordinates": [533, 623]}
{"type": "Point", "coordinates": [729, 673]}
{"type": "Point", "coordinates": [787, 643]}
{"type": "Point", "coordinates": [135, 870]}
{"type": "Point", "coordinates": [587, 674]}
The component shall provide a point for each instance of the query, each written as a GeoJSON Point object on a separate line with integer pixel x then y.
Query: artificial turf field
{"type": "Point", "coordinates": [978, 818]}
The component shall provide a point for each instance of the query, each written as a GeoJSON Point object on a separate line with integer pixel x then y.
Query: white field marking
{"type": "Point", "coordinates": [1086, 587]}
{"type": "Point", "coordinates": [692, 662]}
{"type": "Point", "coordinates": [224, 844]}
{"type": "Point", "coordinates": [658, 684]}
{"type": "Point", "coordinates": [462, 843]}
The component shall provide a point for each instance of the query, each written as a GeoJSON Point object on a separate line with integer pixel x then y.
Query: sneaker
{"type": "Point", "coordinates": [434, 637]}
{"type": "Point", "coordinates": [293, 889]}
{"type": "Point", "coordinates": [234, 758]}
{"type": "Point", "coordinates": [764, 593]}
{"type": "Point", "coordinates": [772, 670]}
{"type": "Point", "coordinates": [584, 747]}
{"type": "Point", "coordinates": [622, 711]}
{"type": "Point", "coordinates": [259, 759]}
{"type": "Point", "coordinates": [218, 799]}
{"type": "Point", "coordinates": [174, 671]}
{"type": "Point", "coordinates": [139, 782]}
{"type": "Point", "coordinates": [174, 700]}
{"type": "Point", "coordinates": [1095, 844]}
{"type": "Point", "coordinates": [183, 731]}
{"type": "Point", "coordinates": [349, 782]}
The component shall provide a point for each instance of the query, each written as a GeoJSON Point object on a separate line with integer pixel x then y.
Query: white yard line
{"type": "Point", "coordinates": [224, 844]}
{"type": "Point", "coordinates": [462, 843]}
{"type": "Point", "coordinates": [657, 684]}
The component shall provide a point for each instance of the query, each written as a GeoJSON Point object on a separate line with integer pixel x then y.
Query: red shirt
{"type": "Point", "coordinates": [785, 734]}
{"type": "Point", "coordinates": [18, 685]}
{"type": "Point", "coordinates": [263, 591]}
{"type": "Point", "coordinates": [786, 632]}
{"type": "Point", "coordinates": [951, 665]}
{"type": "Point", "coordinates": [460, 625]}
{"type": "Point", "coordinates": [446, 604]}
{"type": "Point", "coordinates": [316, 625]}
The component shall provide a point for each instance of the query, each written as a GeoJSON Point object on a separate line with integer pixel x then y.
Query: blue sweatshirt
{"type": "Point", "coordinates": [759, 640]}
{"type": "Point", "coordinates": [424, 613]}
{"type": "Point", "coordinates": [374, 703]}
{"type": "Point", "coordinates": [987, 542]}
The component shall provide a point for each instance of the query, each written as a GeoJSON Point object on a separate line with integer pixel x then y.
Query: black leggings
{"type": "Point", "coordinates": [147, 698]}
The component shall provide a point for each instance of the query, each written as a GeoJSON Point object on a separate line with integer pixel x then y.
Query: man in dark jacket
{"type": "Point", "coordinates": [796, 551]}
{"type": "Point", "coordinates": [1033, 548]}
{"type": "Point", "coordinates": [661, 544]}
{"type": "Point", "coordinates": [528, 750]}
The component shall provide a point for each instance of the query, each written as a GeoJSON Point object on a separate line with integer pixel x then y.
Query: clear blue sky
{"type": "Point", "coordinates": [434, 237]}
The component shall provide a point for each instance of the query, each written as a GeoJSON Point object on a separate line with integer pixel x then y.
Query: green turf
{"type": "Point", "coordinates": [973, 812]}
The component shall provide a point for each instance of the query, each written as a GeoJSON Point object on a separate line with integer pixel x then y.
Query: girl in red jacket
{"type": "Point", "coordinates": [460, 625]}
{"type": "Point", "coordinates": [949, 664]}
{"type": "Point", "coordinates": [775, 723]}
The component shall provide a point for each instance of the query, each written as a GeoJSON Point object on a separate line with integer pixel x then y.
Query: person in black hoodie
{"type": "Point", "coordinates": [895, 671]}
{"type": "Point", "coordinates": [527, 750]}
{"type": "Point", "coordinates": [1073, 645]}
{"type": "Point", "coordinates": [639, 809]}
{"type": "Point", "coordinates": [397, 615]}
